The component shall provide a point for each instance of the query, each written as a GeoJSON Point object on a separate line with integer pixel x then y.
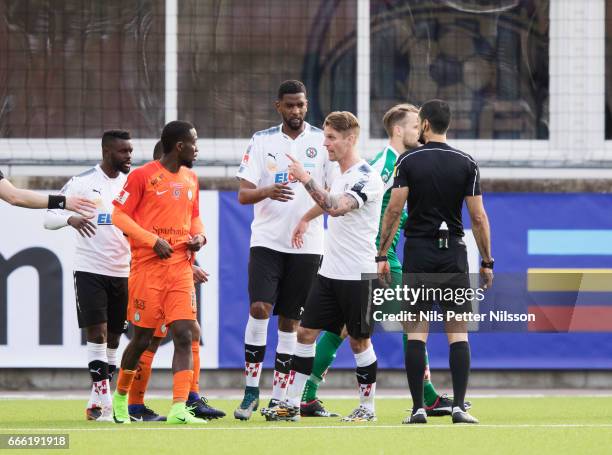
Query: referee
{"type": "Point", "coordinates": [435, 179]}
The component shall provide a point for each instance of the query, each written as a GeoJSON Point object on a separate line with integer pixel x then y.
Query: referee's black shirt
{"type": "Point", "coordinates": [438, 177]}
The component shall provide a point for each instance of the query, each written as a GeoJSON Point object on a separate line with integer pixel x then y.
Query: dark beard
{"type": "Point", "coordinates": [422, 138]}
{"type": "Point", "coordinates": [117, 166]}
{"type": "Point", "coordinates": [288, 123]}
{"type": "Point", "coordinates": [187, 164]}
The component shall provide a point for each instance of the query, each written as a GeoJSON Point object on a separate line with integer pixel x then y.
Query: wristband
{"type": "Point", "coordinates": [380, 258]}
{"type": "Point", "coordinates": [56, 201]}
{"type": "Point", "coordinates": [487, 265]}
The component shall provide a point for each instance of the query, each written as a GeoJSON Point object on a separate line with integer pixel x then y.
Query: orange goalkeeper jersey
{"type": "Point", "coordinates": [162, 203]}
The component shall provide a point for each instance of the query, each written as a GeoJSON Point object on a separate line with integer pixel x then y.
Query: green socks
{"type": "Point", "coordinates": [327, 346]}
{"type": "Point", "coordinates": [325, 354]}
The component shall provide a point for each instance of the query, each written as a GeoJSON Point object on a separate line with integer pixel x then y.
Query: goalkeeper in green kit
{"type": "Point", "coordinates": [401, 125]}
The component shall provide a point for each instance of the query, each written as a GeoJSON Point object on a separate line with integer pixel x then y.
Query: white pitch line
{"type": "Point", "coordinates": [156, 396]}
{"type": "Point", "coordinates": [298, 427]}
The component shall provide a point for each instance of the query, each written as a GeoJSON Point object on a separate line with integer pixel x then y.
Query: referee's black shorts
{"type": "Point", "coordinates": [332, 304]}
{"type": "Point", "coordinates": [442, 270]}
{"type": "Point", "coordinates": [281, 279]}
{"type": "Point", "coordinates": [101, 298]}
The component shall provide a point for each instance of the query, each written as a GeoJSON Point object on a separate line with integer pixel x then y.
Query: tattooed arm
{"type": "Point", "coordinates": [392, 217]}
{"type": "Point", "coordinates": [335, 205]}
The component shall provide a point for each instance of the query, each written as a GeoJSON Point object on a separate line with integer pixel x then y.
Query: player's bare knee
{"type": "Point", "coordinates": [141, 339]}
{"type": "Point", "coordinates": [181, 335]}
{"type": "Point", "coordinates": [112, 340]}
{"type": "Point", "coordinates": [456, 331]}
{"type": "Point", "coordinates": [359, 344]}
{"type": "Point", "coordinates": [287, 325]}
{"type": "Point", "coordinates": [96, 333]}
{"type": "Point", "coordinates": [307, 336]}
{"type": "Point", "coordinates": [154, 344]}
{"type": "Point", "coordinates": [260, 310]}
{"type": "Point", "coordinates": [416, 331]}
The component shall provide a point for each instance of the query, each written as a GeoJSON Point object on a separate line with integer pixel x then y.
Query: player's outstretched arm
{"type": "Point", "coordinates": [57, 219]}
{"type": "Point", "coordinates": [33, 200]}
{"type": "Point", "coordinates": [248, 193]}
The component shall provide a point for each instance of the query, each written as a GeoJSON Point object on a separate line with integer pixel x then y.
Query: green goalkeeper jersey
{"type": "Point", "coordinates": [384, 163]}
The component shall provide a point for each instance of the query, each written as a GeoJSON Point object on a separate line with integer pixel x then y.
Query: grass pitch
{"type": "Point", "coordinates": [559, 425]}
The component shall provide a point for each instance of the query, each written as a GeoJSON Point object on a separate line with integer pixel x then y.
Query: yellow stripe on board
{"type": "Point", "coordinates": [560, 280]}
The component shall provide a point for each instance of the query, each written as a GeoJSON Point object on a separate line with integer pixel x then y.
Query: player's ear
{"type": "Point", "coordinates": [277, 106]}
{"type": "Point", "coordinates": [352, 139]}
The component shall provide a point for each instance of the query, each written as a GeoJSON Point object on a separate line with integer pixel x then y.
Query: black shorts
{"type": "Point", "coordinates": [332, 304]}
{"type": "Point", "coordinates": [101, 298]}
{"type": "Point", "coordinates": [281, 279]}
{"type": "Point", "coordinates": [441, 271]}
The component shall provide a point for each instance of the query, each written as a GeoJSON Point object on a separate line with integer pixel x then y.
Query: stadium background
{"type": "Point", "coordinates": [527, 81]}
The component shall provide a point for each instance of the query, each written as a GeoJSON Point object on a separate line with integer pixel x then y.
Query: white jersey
{"type": "Point", "coordinates": [265, 163]}
{"type": "Point", "coordinates": [350, 244]}
{"type": "Point", "coordinates": [108, 251]}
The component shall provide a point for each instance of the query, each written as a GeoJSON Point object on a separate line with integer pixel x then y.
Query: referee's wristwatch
{"type": "Point", "coordinates": [487, 264]}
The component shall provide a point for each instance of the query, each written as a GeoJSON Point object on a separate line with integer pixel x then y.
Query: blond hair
{"type": "Point", "coordinates": [396, 115]}
{"type": "Point", "coordinates": [342, 121]}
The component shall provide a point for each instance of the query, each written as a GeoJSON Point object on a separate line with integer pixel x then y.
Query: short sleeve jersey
{"type": "Point", "coordinates": [439, 177]}
{"type": "Point", "coordinates": [350, 242]}
{"type": "Point", "coordinates": [163, 203]}
{"type": "Point", "coordinates": [265, 163]}
{"type": "Point", "coordinates": [107, 252]}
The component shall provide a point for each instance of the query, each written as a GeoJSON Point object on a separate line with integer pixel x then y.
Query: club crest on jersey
{"type": "Point", "coordinates": [386, 175]}
{"type": "Point", "coordinates": [311, 152]}
{"type": "Point", "coordinates": [189, 194]}
{"type": "Point", "coordinates": [176, 190]}
{"type": "Point", "coordinates": [136, 316]}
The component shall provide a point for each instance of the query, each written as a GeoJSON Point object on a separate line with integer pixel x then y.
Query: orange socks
{"type": "Point", "coordinates": [141, 380]}
{"type": "Point", "coordinates": [124, 381]}
{"type": "Point", "coordinates": [195, 383]}
{"type": "Point", "coordinates": [181, 385]}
